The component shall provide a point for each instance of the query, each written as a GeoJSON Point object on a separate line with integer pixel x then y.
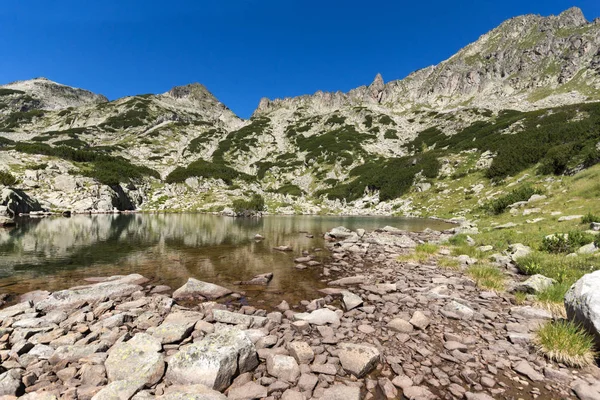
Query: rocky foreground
{"type": "Point", "coordinates": [382, 330]}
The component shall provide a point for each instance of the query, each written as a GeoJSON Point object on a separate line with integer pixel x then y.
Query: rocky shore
{"type": "Point", "coordinates": [383, 329]}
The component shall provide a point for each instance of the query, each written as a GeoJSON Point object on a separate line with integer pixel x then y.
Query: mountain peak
{"type": "Point", "coordinates": [572, 17]}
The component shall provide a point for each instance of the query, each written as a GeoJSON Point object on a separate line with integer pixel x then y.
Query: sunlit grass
{"type": "Point", "coordinates": [520, 298]}
{"type": "Point", "coordinates": [487, 277]}
{"type": "Point", "coordinates": [422, 253]}
{"type": "Point", "coordinates": [565, 342]}
{"type": "Point", "coordinates": [448, 263]}
{"type": "Point", "coordinates": [553, 297]}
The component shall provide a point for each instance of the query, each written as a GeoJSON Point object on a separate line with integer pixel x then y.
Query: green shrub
{"type": "Point", "coordinates": [335, 120]}
{"type": "Point", "coordinates": [392, 177]}
{"type": "Point", "coordinates": [38, 167]}
{"type": "Point", "coordinates": [6, 92]}
{"type": "Point", "coordinates": [255, 204]}
{"type": "Point", "coordinates": [499, 205]}
{"type": "Point", "coordinates": [390, 134]}
{"type": "Point", "coordinates": [21, 117]}
{"type": "Point", "coordinates": [566, 243]}
{"type": "Point", "coordinates": [206, 169]}
{"type": "Point", "coordinates": [290, 189]}
{"type": "Point", "coordinates": [589, 218]}
{"type": "Point", "coordinates": [75, 143]}
{"type": "Point", "coordinates": [8, 179]}
{"type": "Point", "coordinates": [109, 170]}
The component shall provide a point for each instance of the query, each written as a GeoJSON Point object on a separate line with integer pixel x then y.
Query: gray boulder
{"type": "Point", "coordinates": [351, 300]}
{"type": "Point", "coordinates": [518, 250]}
{"type": "Point", "coordinates": [194, 288]}
{"type": "Point", "coordinates": [283, 367]}
{"type": "Point", "coordinates": [119, 390]}
{"type": "Point", "coordinates": [582, 302]}
{"type": "Point", "coordinates": [18, 202]}
{"type": "Point", "coordinates": [10, 383]}
{"type": "Point", "coordinates": [138, 360]}
{"type": "Point", "coordinates": [534, 284]}
{"type": "Point", "coordinates": [214, 360]}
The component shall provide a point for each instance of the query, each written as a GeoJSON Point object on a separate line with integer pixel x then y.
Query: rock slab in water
{"type": "Point", "coordinates": [582, 302]}
{"type": "Point", "coordinates": [194, 288]}
{"type": "Point", "coordinates": [214, 360]}
{"type": "Point", "coordinates": [75, 297]}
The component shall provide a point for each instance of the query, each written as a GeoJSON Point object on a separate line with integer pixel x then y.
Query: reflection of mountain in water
{"type": "Point", "coordinates": [58, 252]}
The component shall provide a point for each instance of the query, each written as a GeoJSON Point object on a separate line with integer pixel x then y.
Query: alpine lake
{"type": "Point", "coordinates": [56, 253]}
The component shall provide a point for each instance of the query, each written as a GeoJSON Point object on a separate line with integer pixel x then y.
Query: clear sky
{"type": "Point", "coordinates": [242, 50]}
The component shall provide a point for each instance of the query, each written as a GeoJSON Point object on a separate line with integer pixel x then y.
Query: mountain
{"type": "Point", "coordinates": [523, 95]}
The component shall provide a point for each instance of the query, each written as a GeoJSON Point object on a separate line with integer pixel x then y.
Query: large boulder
{"type": "Point", "coordinates": [10, 383]}
{"type": "Point", "coordinates": [534, 284]}
{"type": "Point", "coordinates": [18, 202]}
{"type": "Point", "coordinates": [214, 360]}
{"type": "Point", "coordinates": [194, 288]}
{"type": "Point", "coordinates": [582, 302]}
{"type": "Point", "coordinates": [138, 359]}
{"type": "Point", "coordinates": [70, 299]}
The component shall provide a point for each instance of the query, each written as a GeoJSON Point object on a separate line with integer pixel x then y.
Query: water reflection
{"type": "Point", "coordinates": [55, 253]}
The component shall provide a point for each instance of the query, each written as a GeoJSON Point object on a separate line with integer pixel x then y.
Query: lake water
{"type": "Point", "coordinates": [57, 253]}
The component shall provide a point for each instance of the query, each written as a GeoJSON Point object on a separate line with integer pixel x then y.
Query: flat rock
{"type": "Point", "coordinates": [124, 389]}
{"type": "Point", "coordinates": [10, 382]}
{"type": "Point", "coordinates": [400, 325]}
{"type": "Point", "coordinates": [138, 359]}
{"type": "Point", "coordinates": [524, 368]}
{"type": "Point", "coordinates": [350, 280]}
{"type": "Point", "coordinates": [341, 392]}
{"type": "Point", "coordinates": [322, 316]}
{"type": "Point", "coordinates": [191, 392]}
{"type": "Point", "coordinates": [194, 288]}
{"type": "Point", "coordinates": [73, 298]}
{"type": "Point", "coordinates": [302, 352]}
{"type": "Point", "coordinates": [214, 360]}
{"type": "Point", "coordinates": [249, 391]}
{"type": "Point", "coordinates": [283, 367]}
{"type": "Point", "coordinates": [418, 393]}
{"type": "Point", "coordinates": [358, 359]}
{"type": "Point", "coordinates": [529, 312]}
{"type": "Point", "coordinates": [176, 327]}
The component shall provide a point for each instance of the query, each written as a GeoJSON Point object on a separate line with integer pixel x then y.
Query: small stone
{"type": "Point", "coordinates": [249, 391]}
{"type": "Point", "coordinates": [358, 359]}
{"type": "Point", "coordinates": [283, 367]}
{"type": "Point", "coordinates": [400, 325]}
{"type": "Point", "coordinates": [302, 352]}
{"type": "Point", "coordinates": [419, 320]}
{"type": "Point", "coordinates": [524, 368]}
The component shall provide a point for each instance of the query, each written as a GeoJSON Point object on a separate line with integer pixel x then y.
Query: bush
{"type": "Point", "coordinates": [565, 342]}
{"type": "Point", "coordinates": [206, 169]}
{"type": "Point", "coordinates": [566, 243]}
{"type": "Point", "coordinates": [6, 92]}
{"type": "Point", "coordinates": [589, 218]}
{"type": "Point", "coordinates": [499, 205]}
{"type": "Point", "coordinates": [8, 179]}
{"type": "Point", "coordinates": [291, 190]}
{"type": "Point", "coordinates": [255, 204]}
{"type": "Point", "coordinates": [109, 170]}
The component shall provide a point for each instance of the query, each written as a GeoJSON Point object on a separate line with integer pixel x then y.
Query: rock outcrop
{"type": "Point", "coordinates": [582, 302]}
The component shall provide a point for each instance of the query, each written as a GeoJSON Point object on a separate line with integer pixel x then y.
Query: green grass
{"type": "Point", "coordinates": [563, 269]}
{"type": "Point", "coordinates": [448, 263]}
{"type": "Point", "coordinates": [553, 297]}
{"type": "Point", "coordinates": [458, 240]}
{"type": "Point", "coordinates": [470, 251]}
{"type": "Point", "coordinates": [487, 277]}
{"type": "Point", "coordinates": [422, 253]}
{"type": "Point", "coordinates": [520, 298]}
{"type": "Point", "coordinates": [427, 248]}
{"type": "Point", "coordinates": [565, 342]}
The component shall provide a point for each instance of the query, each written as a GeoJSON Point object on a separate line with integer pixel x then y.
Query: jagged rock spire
{"type": "Point", "coordinates": [376, 88]}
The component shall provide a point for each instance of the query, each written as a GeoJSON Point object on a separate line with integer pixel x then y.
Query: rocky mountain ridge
{"type": "Point", "coordinates": [184, 149]}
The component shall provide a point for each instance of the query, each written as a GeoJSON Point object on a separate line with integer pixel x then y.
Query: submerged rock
{"type": "Point", "coordinates": [194, 288]}
{"type": "Point", "coordinates": [77, 296]}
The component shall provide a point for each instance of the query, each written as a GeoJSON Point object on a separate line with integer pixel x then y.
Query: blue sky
{"type": "Point", "coordinates": [242, 50]}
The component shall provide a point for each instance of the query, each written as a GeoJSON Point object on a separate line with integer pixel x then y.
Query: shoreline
{"type": "Point", "coordinates": [381, 326]}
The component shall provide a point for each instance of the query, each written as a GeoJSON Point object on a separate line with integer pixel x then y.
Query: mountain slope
{"type": "Point", "coordinates": [531, 80]}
